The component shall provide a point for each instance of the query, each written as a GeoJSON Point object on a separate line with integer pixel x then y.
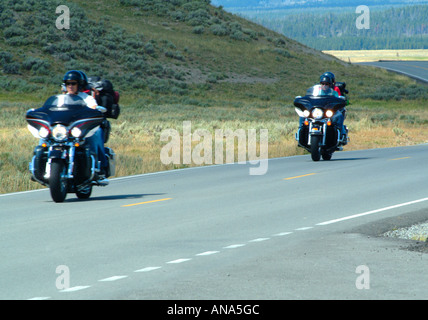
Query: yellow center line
{"type": "Point", "coordinates": [305, 175]}
{"type": "Point", "coordinates": [400, 158]}
{"type": "Point", "coordinates": [136, 204]}
{"type": "Point", "coordinates": [419, 67]}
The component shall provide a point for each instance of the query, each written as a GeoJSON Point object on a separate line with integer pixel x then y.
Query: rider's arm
{"type": "Point", "coordinates": [89, 100]}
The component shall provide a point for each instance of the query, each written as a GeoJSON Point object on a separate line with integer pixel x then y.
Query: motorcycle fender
{"type": "Point", "coordinates": [57, 153]}
{"type": "Point", "coordinates": [316, 130]}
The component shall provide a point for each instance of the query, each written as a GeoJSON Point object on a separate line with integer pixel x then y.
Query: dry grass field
{"type": "Point", "coordinates": [376, 55]}
{"type": "Point", "coordinates": [136, 134]}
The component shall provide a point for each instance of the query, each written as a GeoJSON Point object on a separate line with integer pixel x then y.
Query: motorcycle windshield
{"type": "Point", "coordinates": [64, 109]}
{"type": "Point", "coordinates": [316, 97]}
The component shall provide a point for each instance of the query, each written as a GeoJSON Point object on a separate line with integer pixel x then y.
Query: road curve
{"type": "Point", "coordinates": [414, 69]}
{"type": "Point", "coordinates": [304, 230]}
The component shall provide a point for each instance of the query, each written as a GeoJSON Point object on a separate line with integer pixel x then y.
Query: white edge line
{"type": "Point", "coordinates": [148, 269]}
{"type": "Point", "coordinates": [371, 212]}
{"type": "Point", "coordinates": [282, 234]}
{"type": "Point", "coordinates": [207, 253]}
{"type": "Point", "coordinates": [259, 240]}
{"type": "Point", "coordinates": [179, 261]}
{"type": "Point", "coordinates": [304, 228]}
{"type": "Point", "coordinates": [401, 72]}
{"type": "Point", "coordinates": [114, 278]}
{"type": "Point", "coordinates": [201, 167]}
{"type": "Point", "coordinates": [40, 298]}
{"type": "Point", "coordinates": [234, 246]}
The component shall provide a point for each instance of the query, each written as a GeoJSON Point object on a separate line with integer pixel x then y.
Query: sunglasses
{"type": "Point", "coordinates": [325, 84]}
{"type": "Point", "coordinates": [71, 83]}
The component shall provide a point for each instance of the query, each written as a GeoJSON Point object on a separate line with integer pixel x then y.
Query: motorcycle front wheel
{"type": "Point", "coordinates": [57, 181]}
{"type": "Point", "coordinates": [315, 148]}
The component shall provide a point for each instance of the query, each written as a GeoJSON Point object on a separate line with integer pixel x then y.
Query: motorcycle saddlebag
{"type": "Point", "coordinates": [111, 160]}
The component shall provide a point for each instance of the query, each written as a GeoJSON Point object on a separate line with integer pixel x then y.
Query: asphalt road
{"type": "Point", "coordinates": [414, 69]}
{"type": "Point", "coordinates": [304, 230]}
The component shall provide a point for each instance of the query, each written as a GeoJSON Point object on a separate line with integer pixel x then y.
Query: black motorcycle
{"type": "Point", "coordinates": [317, 134]}
{"type": "Point", "coordinates": [62, 161]}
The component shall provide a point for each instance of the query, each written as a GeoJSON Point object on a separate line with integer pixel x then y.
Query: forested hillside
{"type": "Point", "coordinates": [392, 28]}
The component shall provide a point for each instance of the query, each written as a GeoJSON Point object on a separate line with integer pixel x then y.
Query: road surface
{"type": "Point", "coordinates": [304, 230]}
{"type": "Point", "coordinates": [414, 69]}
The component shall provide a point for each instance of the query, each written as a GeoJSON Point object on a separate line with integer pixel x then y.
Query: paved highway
{"type": "Point", "coordinates": [414, 69]}
{"type": "Point", "coordinates": [304, 230]}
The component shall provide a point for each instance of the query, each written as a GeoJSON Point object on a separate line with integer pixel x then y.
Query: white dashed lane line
{"type": "Point", "coordinates": [147, 269]}
{"type": "Point", "coordinates": [234, 246]}
{"type": "Point", "coordinates": [178, 261]}
{"type": "Point", "coordinates": [237, 245]}
{"type": "Point", "coordinates": [114, 278]}
{"type": "Point", "coordinates": [207, 253]}
{"type": "Point", "coordinates": [259, 240]}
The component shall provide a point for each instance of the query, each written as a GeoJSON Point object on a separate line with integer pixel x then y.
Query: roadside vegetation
{"type": "Point", "coordinates": [183, 61]}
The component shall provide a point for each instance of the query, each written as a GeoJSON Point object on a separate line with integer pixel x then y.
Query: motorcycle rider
{"type": "Point", "coordinates": [325, 89]}
{"type": "Point", "coordinates": [333, 79]}
{"type": "Point", "coordinates": [74, 82]}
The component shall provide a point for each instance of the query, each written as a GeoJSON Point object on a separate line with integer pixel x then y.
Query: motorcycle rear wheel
{"type": "Point", "coordinates": [57, 181]}
{"type": "Point", "coordinates": [315, 148]}
{"type": "Point", "coordinates": [84, 193]}
{"type": "Point", "coordinates": [326, 156]}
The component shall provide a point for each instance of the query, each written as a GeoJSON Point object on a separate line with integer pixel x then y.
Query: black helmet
{"type": "Point", "coordinates": [330, 75]}
{"type": "Point", "coordinates": [74, 75]}
{"type": "Point", "coordinates": [326, 79]}
{"type": "Point", "coordinates": [84, 79]}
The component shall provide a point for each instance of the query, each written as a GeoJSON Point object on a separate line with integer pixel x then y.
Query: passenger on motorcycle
{"type": "Point", "coordinates": [74, 82]}
{"type": "Point", "coordinates": [325, 89]}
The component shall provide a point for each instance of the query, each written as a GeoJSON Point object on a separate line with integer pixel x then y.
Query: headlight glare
{"type": "Point", "coordinates": [76, 132]}
{"type": "Point", "coordinates": [43, 132]}
{"type": "Point", "coordinates": [306, 113]}
{"type": "Point", "coordinates": [317, 113]}
{"type": "Point", "coordinates": [329, 113]}
{"type": "Point", "coordinates": [59, 132]}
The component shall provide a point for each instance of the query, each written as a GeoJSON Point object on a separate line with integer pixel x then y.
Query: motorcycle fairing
{"type": "Point", "coordinates": [68, 110]}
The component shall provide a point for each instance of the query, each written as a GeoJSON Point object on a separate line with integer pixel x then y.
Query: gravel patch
{"type": "Point", "coordinates": [418, 232]}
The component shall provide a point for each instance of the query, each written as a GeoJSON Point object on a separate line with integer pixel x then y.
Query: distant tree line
{"type": "Point", "coordinates": [394, 28]}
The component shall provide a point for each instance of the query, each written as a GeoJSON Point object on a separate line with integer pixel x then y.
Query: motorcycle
{"type": "Point", "coordinates": [318, 134]}
{"type": "Point", "coordinates": [62, 161]}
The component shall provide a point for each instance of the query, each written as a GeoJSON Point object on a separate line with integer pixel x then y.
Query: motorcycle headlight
{"type": "Point", "coordinates": [43, 132]}
{"type": "Point", "coordinates": [317, 113]}
{"type": "Point", "coordinates": [306, 113]}
{"type": "Point", "coordinates": [76, 132]}
{"type": "Point", "coordinates": [59, 132]}
{"type": "Point", "coordinates": [329, 113]}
